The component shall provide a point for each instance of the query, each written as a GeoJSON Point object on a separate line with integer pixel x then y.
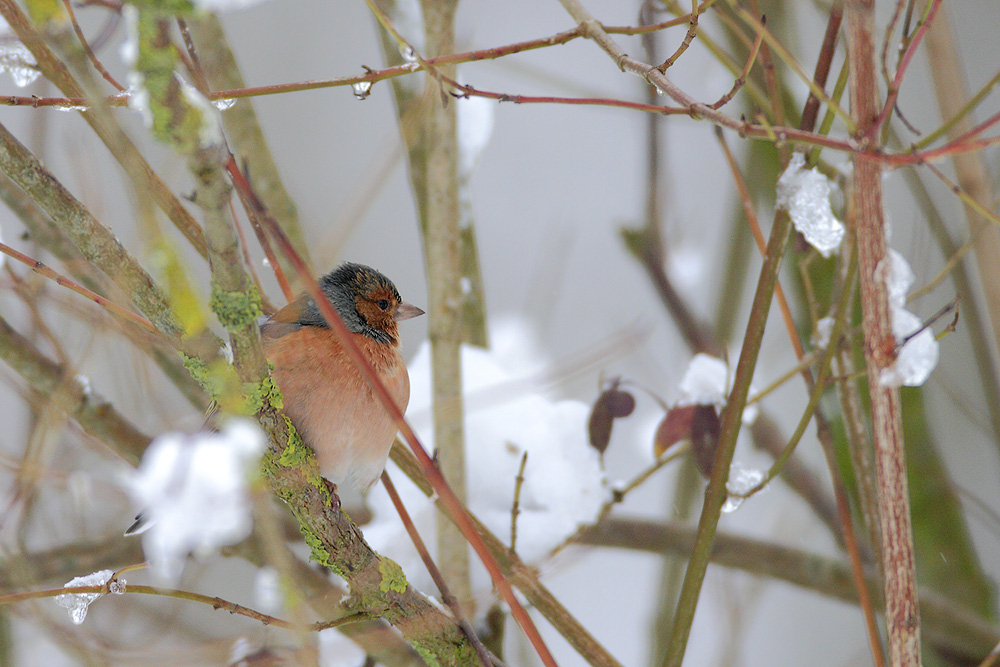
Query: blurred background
{"type": "Point", "coordinates": [551, 191]}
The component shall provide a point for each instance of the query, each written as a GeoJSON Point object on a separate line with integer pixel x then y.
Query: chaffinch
{"type": "Point", "coordinates": [325, 396]}
{"type": "Point", "coordinates": [329, 402]}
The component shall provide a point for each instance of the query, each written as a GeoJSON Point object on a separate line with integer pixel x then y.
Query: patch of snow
{"type": "Point", "coordinates": [805, 194]}
{"type": "Point", "coordinates": [193, 491]}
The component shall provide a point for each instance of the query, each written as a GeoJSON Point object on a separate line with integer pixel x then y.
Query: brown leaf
{"type": "Point", "coordinates": [705, 428]}
{"type": "Point", "coordinates": [613, 403]}
{"type": "Point", "coordinates": [675, 427]}
{"type": "Point", "coordinates": [698, 423]}
{"type": "Point", "coordinates": [621, 403]}
{"type": "Point", "coordinates": [601, 420]}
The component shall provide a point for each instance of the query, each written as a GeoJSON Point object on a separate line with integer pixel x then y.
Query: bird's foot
{"type": "Point", "coordinates": [331, 488]}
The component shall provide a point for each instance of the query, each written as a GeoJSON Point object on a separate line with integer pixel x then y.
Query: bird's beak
{"type": "Point", "coordinates": [405, 311]}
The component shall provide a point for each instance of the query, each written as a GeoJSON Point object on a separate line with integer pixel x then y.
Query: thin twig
{"type": "Point", "coordinates": [957, 115]}
{"type": "Point", "coordinates": [774, 92]}
{"type": "Point", "coordinates": [216, 603]}
{"type": "Point", "coordinates": [742, 78]}
{"type": "Point", "coordinates": [811, 109]}
{"type": "Point", "coordinates": [256, 213]}
{"type": "Point", "coordinates": [447, 496]}
{"type": "Point", "coordinates": [86, 47]}
{"type": "Point", "coordinates": [911, 49]}
{"type": "Point", "coordinates": [515, 508]}
{"type": "Point", "coordinates": [41, 269]}
{"type": "Point", "coordinates": [890, 28]}
{"type": "Point", "coordinates": [688, 38]}
{"type": "Point", "coordinates": [966, 198]}
{"type": "Point", "coordinates": [446, 595]}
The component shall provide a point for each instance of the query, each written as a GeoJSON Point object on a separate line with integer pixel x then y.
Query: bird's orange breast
{"type": "Point", "coordinates": [331, 405]}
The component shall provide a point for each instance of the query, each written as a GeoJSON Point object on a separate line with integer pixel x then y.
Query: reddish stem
{"type": "Point", "coordinates": [451, 503]}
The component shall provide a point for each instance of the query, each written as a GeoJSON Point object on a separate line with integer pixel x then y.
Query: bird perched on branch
{"type": "Point", "coordinates": [325, 395]}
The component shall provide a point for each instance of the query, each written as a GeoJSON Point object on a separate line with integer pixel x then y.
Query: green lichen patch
{"type": "Point", "coordinates": [236, 309]}
{"type": "Point", "coordinates": [298, 454]}
{"type": "Point", "coordinates": [262, 395]}
{"type": "Point", "coordinates": [393, 578]}
{"type": "Point", "coordinates": [319, 552]}
{"type": "Point", "coordinates": [426, 654]}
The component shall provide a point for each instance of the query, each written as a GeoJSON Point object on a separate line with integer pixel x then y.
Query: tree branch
{"type": "Point", "coordinates": [902, 610]}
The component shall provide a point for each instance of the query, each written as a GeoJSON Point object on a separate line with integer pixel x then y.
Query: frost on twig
{"type": "Point", "coordinates": [741, 482]}
{"type": "Point", "coordinates": [919, 352]}
{"type": "Point", "coordinates": [707, 381]}
{"type": "Point", "coordinates": [78, 603]}
{"type": "Point", "coordinates": [805, 194]}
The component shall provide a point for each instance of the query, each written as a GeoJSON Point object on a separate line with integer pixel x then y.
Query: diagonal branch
{"type": "Point", "coordinates": [97, 243]}
{"type": "Point", "coordinates": [144, 179]}
{"type": "Point", "coordinates": [94, 415]}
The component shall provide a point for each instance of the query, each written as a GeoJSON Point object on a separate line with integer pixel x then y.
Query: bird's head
{"type": "Point", "coordinates": [366, 300]}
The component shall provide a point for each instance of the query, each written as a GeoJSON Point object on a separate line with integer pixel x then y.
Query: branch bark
{"type": "Point", "coordinates": [144, 179]}
{"type": "Point", "coordinates": [902, 610]}
{"type": "Point", "coordinates": [245, 135]}
{"type": "Point", "coordinates": [439, 136]}
{"type": "Point", "coordinates": [952, 627]}
{"type": "Point", "coordinates": [95, 241]}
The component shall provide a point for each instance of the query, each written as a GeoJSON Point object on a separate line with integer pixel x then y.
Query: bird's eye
{"type": "Point", "coordinates": [383, 304]}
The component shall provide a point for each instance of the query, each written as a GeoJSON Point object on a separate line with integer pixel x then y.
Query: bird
{"type": "Point", "coordinates": [325, 396]}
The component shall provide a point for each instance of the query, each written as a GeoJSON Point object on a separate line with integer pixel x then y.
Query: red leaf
{"type": "Point", "coordinates": [698, 423]}
{"type": "Point", "coordinates": [705, 428]}
{"type": "Point", "coordinates": [675, 427]}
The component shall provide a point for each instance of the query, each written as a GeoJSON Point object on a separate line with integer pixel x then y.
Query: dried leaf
{"type": "Point", "coordinates": [675, 427]}
{"type": "Point", "coordinates": [622, 403]}
{"type": "Point", "coordinates": [613, 403]}
{"type": "Point", "coordinates": [698, 423]}
{"type": "Point", "coordinates": [600, 423]}
{"type": "Point", "coordinates": [705, 429]}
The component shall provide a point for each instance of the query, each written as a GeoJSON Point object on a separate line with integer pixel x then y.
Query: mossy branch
{"type": "Point", "coordinates": [46, 377]}
{"type": "Point", "coordinates": [244, 133]}
{"type": "Point", "coordinates": [950, 626]}
{"type": "Point", "coordinates": [95, 241]}
{"type": "Point", "coordinates": [144, 179]}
